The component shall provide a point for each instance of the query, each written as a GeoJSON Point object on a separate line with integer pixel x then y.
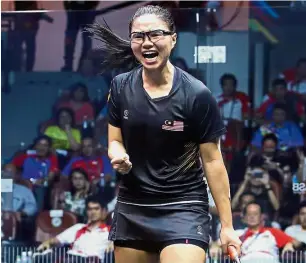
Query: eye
{"type": "Point", "coordinates": [156, 33]}
{"type": "Point", "coordinates": [137, 35]}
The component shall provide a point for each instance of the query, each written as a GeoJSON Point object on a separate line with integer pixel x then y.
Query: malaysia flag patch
{"type": "Point", "coordinates": [173, 126]}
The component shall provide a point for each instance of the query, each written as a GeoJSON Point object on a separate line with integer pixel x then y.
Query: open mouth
{"type": "Point", "coordinates": [150, 54]}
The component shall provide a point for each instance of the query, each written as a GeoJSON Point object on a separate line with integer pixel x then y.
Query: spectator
{"type": "Point", "coordinates": [288, 133]}
{"type": "Point", "coordinates": [280, 95]}
{"type": "Point", "coordinates": [89, 240]}
{"type": "Point", "coordinates": [38, 165]}
{"type": "Point", "coordinates": [261, 244]}
{"type": "Point", "coordinates": [299, 231]}
{"type": "Point", "coordinates": [63, 134]}
{"type": "Point", "coordinates": [79, 103]}
{"type": "Point", "coordinates": [79, 15]}
{"type": "Point", "coordinates": [74, 200]}
{"type": "Point", "coordinates": [235, 109]}
{"type": "Point", "coordinates": [257, 181]}
{"type": "Point", "coordinates": [296, 78]}
{"type": "Point", "coordinates": [91, 163]}
{"type": "Point", "coordinates": [21, 200]}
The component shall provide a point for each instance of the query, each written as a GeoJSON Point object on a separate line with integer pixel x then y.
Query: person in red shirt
{"type": "Point", "coordinates": [94, 165]}
{"type": "Point", "coordinates": [39, 163]}
{"type": "Point", "coordinates": [235, 109]}
{"type": "Point", "coordinates": [79, 103]}
{"type": "Point", "coordinates": [280, 94]}
{"type": "Point", "coordinates": [263, 243]}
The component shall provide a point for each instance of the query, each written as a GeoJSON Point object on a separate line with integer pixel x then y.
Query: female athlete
{"type": "Point", "coordinates": [162, 121]}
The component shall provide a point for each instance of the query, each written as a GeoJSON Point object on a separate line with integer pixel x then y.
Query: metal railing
{"type": "Point", "coordinates": [22, 254]}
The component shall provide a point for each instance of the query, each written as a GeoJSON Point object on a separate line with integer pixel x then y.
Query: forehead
{"type": "Point", "coordinates": [148, 23]}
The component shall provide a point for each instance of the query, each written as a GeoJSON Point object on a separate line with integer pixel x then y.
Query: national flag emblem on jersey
{"type": "Point", "coordinates": [173, 126]}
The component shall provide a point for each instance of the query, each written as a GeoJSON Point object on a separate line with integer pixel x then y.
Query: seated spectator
{"type": "Point", "coordinates": [261, 244]}
{"type": "Point", "coordinates": [91, 163]}
{"type": "Point", "coordinates": [299, 231]}
{"type": "Point", "coordinates": [79, 103]}
{"type": "Point", "coordinates": [235, 109]}
{"type": "Point", "coordinates": [74, 200]}
{"type": "Point", "coordinates": [39, 164]}
{"type": "Point", "coordinates": [275, 161]}
{"type": "Point", "coordinates": [257, 181]}
{"type": "Point", "coordinates": [21, 200]}
{"type": "Point", "coordinates": [89, 240]}
{"type": "Point", "coordinates": [296, 78]}
{"type": "Point", "coordinates": [288, 133]}
{"type": "Point", "coordinates": [280, 95]}
{"type": "Point", "coordinates": [64, 136]}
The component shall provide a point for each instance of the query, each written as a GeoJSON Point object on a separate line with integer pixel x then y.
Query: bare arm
{"type": "Point", "coordinates": [217, 179]}
{"type": "Point", "coordinates": [115, 142]}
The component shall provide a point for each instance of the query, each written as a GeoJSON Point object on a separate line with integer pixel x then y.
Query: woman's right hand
{"type": "Point", "coordinates": [248, 175]}
{"type": "Point", "coordinates": [122, 164]}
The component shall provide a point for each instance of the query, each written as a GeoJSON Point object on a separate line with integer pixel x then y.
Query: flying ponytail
{"type": "Point", "coordinates": [116, 51]}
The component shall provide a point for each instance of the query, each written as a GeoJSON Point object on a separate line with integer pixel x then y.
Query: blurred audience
{"type": "Point", "coordinates": [288, 133]}
{"type": "Point", "coordinates": [86, 240]}
{"type": "Point", "coordinates": [74, 200]}
{"type": "Point", "coordinates": [280, 95]}
{"type": "Point", "coordinates": [235, 109]}
{"type": "Point", "coordinates": [80, 14]}
{"type": "Point", "coordinates": [298, 231]}
{"type": "Point", "coordinates": [21, 200]}
{"type": "Point", "coordinates": [39, 163]}
{"type": "Point", "coordinates": [63, 134]}
{"type": "Point", "coordinates": [258, 181]}
{"type": "Point", "coordinates": [96, 166]}
{"type": "Point", "coordinates": [79, 103]}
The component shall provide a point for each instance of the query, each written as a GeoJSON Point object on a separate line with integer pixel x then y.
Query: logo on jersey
{"type": "Point", "coordinates": [173, 126]}
{"type": "Point", "coordinates": [126, 114]}
{"type": "Point", "coordinates": [199, 230]}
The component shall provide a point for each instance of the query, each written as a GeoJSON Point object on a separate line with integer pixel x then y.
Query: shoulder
{"type": "Point", "coordinates": [293, 228]}
{"type": "Point", "coordinates": [195, 88]}
{"type": "Point", "coordinates": [119, 81]}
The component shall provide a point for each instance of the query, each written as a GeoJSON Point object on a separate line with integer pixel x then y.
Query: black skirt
{"type": "Point", "coordinates": [152, 228]}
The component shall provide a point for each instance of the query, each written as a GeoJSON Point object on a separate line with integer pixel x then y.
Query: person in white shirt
{"type": "Point", "coordinates": [299, 231]}
{"type": "Point", "coordinates": [86, 240]}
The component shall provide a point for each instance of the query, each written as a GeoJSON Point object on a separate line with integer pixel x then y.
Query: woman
{"type": "Point", "coordinates": [74, 200]}
{"type": "Point", "coordinates": [161, 120]}
{"type": "Point", "coordinates": [79, 103]}
{"type": "Point", "coordinates": [63, 135]}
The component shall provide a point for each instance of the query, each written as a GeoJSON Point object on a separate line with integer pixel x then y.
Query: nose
{"type": "Point", "coordinates": [147, 43]}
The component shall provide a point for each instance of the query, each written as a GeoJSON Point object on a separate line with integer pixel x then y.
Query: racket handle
{"type": "Point", "coordinates": [233, 254]}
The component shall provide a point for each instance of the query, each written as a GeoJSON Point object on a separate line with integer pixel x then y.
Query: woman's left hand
{"type": "Point", "coordinates": [229, 237]}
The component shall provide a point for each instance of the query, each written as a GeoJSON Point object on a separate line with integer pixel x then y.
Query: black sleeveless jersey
{"type": "Point", "coordinates": [162, 137]}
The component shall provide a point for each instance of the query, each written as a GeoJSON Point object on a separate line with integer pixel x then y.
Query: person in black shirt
{"type": "Point", "coordinates": [164, 125]}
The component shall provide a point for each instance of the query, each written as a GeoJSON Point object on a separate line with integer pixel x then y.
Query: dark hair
{"type": "Point", "coordinates": [96, 199]}
{"type": "Point", "coordinates": [77, 170]}
{"type": "Point", "coordinates": [68, 110]}
{"type": "Point", "coordinates": [42, 137]}
{"type": "Point", "coordinates": [300, 61]}
{"type": "Point", "coordinates": [256, 161]}
{"type": "Point", "coordinates": [117, 52]}
{"type": "Point", "coordinates": [251, 203]}
{"type": "Point", "coordinates": [302, 205]}
{"type": "Point", "coordinates": [78, 85]}
{"type": "Point", "coordinates": [270, 136]}
{"type": "Point", "coordinates": [280, 106]}
{"type": "Point", "coordinates": [279, 82]}
{"type": "Point", "coordinates": [244, 194]}
{"type": "Point", "coordinates": [228, 76]}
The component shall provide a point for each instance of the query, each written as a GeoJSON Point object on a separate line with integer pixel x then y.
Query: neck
{"type": "Point", "coordinates": [255, 228]}
{"type": "Point", "coordinates": [95, 224]}
{"type": "Point", "coordinates": [158, 77]}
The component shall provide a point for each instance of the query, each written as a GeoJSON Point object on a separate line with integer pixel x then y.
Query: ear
{"type": "Point", "coordinates": [174, 38]}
